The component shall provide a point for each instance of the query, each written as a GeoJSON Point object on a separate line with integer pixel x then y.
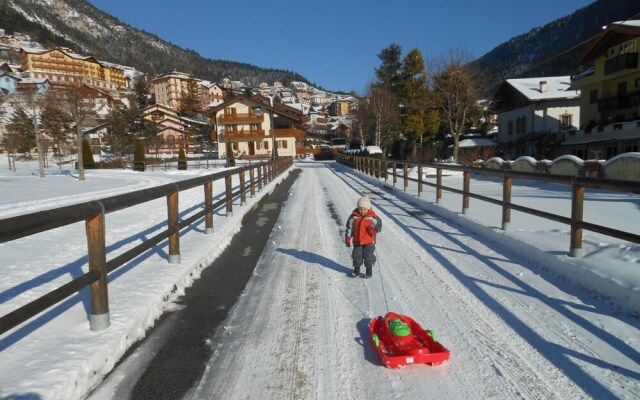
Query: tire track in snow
{"type": "Point", "coordinates": [513, 359]}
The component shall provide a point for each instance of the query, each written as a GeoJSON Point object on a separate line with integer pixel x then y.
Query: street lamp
{"type": "Point", "coordinates": [259, 112]}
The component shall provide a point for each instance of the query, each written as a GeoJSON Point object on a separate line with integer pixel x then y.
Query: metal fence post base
{"type": "Point", "coordinates": [575, 253]}
{"type": "Point", "coordinates": [208, 231]}
{"type": "Point", "coordinates": [506, 226]}
{"type": "Point", "coordinates": [174, 258]}
{"type": "Point", "coordinates": [229, 214]}
{"type": "Point", "coordinates": [99, 322]}
{"type": "Point", "coordinates": [465, 211]}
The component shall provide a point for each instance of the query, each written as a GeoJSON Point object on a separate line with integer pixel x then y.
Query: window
{"type": "Point", "coordinates": [622, 88]}
{"type": "Point", "coordinates": [266, 145]}
{"type": "Point", "coordinates": [565, 121]}
{"type": "Point", "coordinates": [510, 127]}
{"type": "Point", "coordinates": [633, 148]}
{"type": "Point", "coordinates": [638, 82]}
{"type": "Point", "coordinates": [578, 153]}
{"type": "Point", "coordinates": [612, 151]}
{"type": "Point", "coordinates": [593, 96]}
{"type": "Point", "coordinates": [282, 144]}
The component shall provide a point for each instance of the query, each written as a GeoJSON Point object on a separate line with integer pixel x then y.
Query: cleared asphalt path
{"type": "Point", "coordinates": [173, 356]}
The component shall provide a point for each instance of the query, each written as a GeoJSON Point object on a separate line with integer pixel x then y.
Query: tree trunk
{"type": "Point", "coordinates": [79, 151]}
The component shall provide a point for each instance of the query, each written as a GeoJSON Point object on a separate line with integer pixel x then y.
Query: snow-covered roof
{"type": "Point", "coordinates": [475, 142]}
{"type": "Point", "coordinates": [545, 88]}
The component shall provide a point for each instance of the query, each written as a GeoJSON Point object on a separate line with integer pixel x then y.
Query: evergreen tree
{"type": "Point", "coordinates": [388, 74]}
{"type": "Point", "coordinates": [141, 89]}
{"type": "Point", "coordinates": [87, 155]}
{"type": "Point", "coordinates": [118, 138]}
{"type": "Point", "coordinates": [190, 104]}
{"type": "Point", "coordinates": [231, 160]}
{"type": "Point", "coordinates": [20, 132]}
{"type": "Point", "coordinates": [182, 159]}
{"type": "Point", "coordinates": [413, 95]}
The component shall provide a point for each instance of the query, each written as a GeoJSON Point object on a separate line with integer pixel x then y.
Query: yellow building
{"type": "Point", "coordinates": [168, 89]}
{"type": "Point", "coordinates": [64, 68]}
{"type": "Point", "coordinates": [609, 95]}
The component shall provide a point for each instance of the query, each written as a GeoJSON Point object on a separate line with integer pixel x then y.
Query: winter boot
{"type": "Point", "coordinates": [356, 272]}
{"type": "Point", "coordinates": [369, 273]}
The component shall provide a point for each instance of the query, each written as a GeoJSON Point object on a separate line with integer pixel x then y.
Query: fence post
{"type": "Point", "coordinates": [438, 185]}
{"type": "Point", "coordinates": [395, 177]}
{"type": "Point", "coordinates": [465, 197]}
{"type": "Point", "coordinates": [405, 171]}
{"type": "Point", "coordinates": [174, 236]}
{"type": "Point", "coordinates": [208, 207]}
{"type": "Point", "coordinates": [99, 318]}
{"type": "Point", "coordinates": [243, 194]}
{"type": "Point", "coordinates": [577, 211]}
{"type": "Point", "coordinates": [385, 169]}
{"type": "Point", "coordinates": [506, 198]}
{"type": "Point", "coordinates": [259, 178]}
{"type": "Point", "coordinates": [252, 184]}
{"type": "Point", "coordinates": [229, 195]}
{"type": "Point", "coordinates": [419, 179]}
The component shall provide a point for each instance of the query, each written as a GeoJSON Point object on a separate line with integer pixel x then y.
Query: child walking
{"type": "Point", "coordinates": [362, 227]}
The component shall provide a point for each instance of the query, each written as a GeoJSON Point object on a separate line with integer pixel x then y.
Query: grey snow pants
{"type": "Point", "coordinates": [364, 254]}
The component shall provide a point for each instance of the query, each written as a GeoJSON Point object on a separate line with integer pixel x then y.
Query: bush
{"type": "Point", "coordinates": [182, 159]}
{"type": "Point", "coordinates": [138, 156]}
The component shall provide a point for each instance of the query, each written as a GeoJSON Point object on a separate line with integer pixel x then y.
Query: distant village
{"type": "Point", "coordinates": [592, 115]}
{"type": "Point", "coordinates": [293, 112]}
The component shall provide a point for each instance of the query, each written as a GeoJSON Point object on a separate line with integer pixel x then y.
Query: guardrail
{"type": "Point", "coordinates": [380, 169]}
{"type": "Point", "coordinates": [93, 213]}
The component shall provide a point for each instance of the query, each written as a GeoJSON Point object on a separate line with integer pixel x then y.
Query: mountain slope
{"type": "Point", "coordinates": [81, 26]}
{"type": "Point", "coordinates": [556, 48]}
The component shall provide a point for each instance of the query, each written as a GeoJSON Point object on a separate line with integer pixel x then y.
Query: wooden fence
{"type": "Point", "coordinates": [380, 169]}
{"type": "Point", "coordinates": [93, 213]}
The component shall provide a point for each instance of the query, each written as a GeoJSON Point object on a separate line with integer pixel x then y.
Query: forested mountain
{"type": "Point", "coordinates": [553, 49]}
{"type": "Point", "coordinates": [556, 48]}
{"type": "Point", "coordinates": [87, 30]}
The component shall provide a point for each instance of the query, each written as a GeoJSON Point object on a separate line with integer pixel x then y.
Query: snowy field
{"type": "Point", "coordinates": [522, 320]}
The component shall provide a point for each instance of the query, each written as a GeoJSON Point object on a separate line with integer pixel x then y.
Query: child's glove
{"type": "Point", "coordinates": [371, 230]}
{"type": "Point", "coordinates": [347, 241]}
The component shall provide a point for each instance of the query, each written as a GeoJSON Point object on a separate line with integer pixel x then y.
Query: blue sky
{"type": "Point", "coordinates": [334, 43]}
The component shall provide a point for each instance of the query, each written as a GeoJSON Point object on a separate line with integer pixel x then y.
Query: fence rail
{"type": "Point", "coordinates": [93, 214]}
{"type": "Point", "coordinates": [380, 169]}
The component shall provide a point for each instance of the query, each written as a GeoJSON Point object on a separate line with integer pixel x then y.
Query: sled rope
{"type": "Point", "coordinates": [381, 280]}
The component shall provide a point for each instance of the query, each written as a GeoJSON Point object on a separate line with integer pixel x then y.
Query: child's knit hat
{"type": "Point", "coordinates": [364, 202]}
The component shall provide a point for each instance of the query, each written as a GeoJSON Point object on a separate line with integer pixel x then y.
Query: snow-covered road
{"type": "Point", "coordinates": [300, 330]}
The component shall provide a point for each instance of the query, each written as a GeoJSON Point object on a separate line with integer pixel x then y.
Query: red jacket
{"type": "Point", "coordinates": [361, 227]}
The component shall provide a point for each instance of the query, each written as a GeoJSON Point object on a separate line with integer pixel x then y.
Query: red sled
{"type": "Point", "coordinates": [408, 344]}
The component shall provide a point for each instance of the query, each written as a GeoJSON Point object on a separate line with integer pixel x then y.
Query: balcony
{"type": "Point", "coordinates": [241, 118]}
{"type": "Point", "coordinates": [621, 62]}
{"type": "Point", "coordinates": [619, 102]}
{"type": "Point", "coordinates": [261, 134]}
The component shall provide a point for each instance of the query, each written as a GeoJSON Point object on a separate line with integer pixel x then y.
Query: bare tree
{"type": "Point", "coordinates": [383, 106]}
{"type": "Point", "coordinates": [456, 85]}
{"type": "Point", "coordinates": [30, 102]}
{"type": "Point", "coordinates": [84, 104]}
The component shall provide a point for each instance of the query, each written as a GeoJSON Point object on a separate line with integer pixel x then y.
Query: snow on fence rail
{"type": "Point", "coordinates": [93, 213]}
{"type": "Point", "coordinates": [621, 174]}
